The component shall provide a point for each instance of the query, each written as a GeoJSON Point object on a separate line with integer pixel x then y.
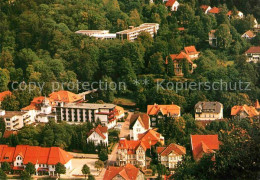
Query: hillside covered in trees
{"type": "Point", "coordinates": [38, 44]}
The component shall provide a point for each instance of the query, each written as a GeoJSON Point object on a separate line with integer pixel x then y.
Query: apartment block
{"type": "Point", "coordinates": [87, 112]}
{"type": "Point", "coordinates": [132, 33]}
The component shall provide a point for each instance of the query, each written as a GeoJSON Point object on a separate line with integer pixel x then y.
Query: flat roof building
{"type": "Point", "coordinates": [132, 33]}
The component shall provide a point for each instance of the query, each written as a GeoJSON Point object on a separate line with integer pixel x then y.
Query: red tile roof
{"type": "Point", "coordinates": [214, 10]}
{"type": "Point", "coordinates": [119, 110]}
{"type": "Point", "coordinates": [204, 7]}
{"type": "Point", "coordinates": [250, 34]}
{"type": "Point", "coordinates": [171, 109]}
{"type": "Point", "coordinates": [34, 154]}
{"type": "Point", "coordinates": [36, 102]}
{"type": "Point", "coordinates": [143, 119]}
{"type": "Point", "coordinates": [4, 94]}
{"type": "Point", "coordinates": [151, 137]}
{"type": "Point", "coordinates": [203, 144]}
{"type": "Point", "coordinates": [170, 2]}
{"type": "Point", "coordinates": [253, 49]}
{"type": "Point", "coordinates": [132, 145]}
{"type": "Point", "coordinates": [65, 96]}
{"type": "Point", "coordinates": [165, 151]}
{"type": "Point", "coordinates": [100, 130]}
{"type": "Point", "coordinates": [181, 28]}
{"type": "Point", "coordinates": [249, 110]}
{"type": "Point", "coordinates": [190, 50]}
{"type": "Point", "coordinates": [129, 172]}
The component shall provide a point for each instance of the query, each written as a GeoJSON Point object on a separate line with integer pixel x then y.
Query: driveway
{"type": "Point", "coordinates": [125, 128]}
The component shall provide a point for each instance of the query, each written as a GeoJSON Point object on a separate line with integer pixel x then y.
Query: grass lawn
{"type": "Point", "coordinates": [124, 101]}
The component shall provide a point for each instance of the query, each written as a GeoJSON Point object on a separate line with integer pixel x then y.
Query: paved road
{"type": "Point", "coordinates": [112, 157]}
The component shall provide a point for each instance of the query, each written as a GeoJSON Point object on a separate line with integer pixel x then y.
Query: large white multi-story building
{"type": "Point", "coordinates": [98, 34]}
{"type": "Point", "coordinates": [87, 112]}
{"type": "Point", "coordinates": [132, 33]}
{"type": "Point", "coordinates": [15, 120]}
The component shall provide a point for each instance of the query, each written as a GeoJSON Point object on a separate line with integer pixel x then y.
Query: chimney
{"type": "Point", "coordinates": [131, 27]}
{"type": "Point", "coordinates": [2, 112]}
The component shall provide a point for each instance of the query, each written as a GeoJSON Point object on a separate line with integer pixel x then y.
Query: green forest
{"type": "Point", "coordinates": [38, 44]}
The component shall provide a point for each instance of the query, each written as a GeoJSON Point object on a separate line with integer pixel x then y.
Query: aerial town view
{"type": "Point", "coordinates": [130, 89]}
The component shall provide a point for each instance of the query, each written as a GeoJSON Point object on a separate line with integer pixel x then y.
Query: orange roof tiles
{"type": "Point", "coordinates": [170, 2]}
{"type": "Point", "coordinates": [36, 102]}
{"type": "Point", "coordinates": [4, 94]}
{"type": "Point", "coordinates": [119, 110]}
{"type": "Point", "coordinates": [100, 130]}
{"type": "Point", "coordinates": [203, 144]}
{"type": "Point", "coordinates": [204, 7]}
{"type": "Point", "coordinates": [171, 109]}
{"type": "Point", "coordinates": [129, 172]}
{"type": "Point", "coordinates": [165, 151]}
{"type": "Point", "coordinates": [65, 96]}
{"type": "Point", "coordinates": [253, 49]}
{"type": "Point", "coordinates": [34, 154]}
{"type": "Point", "coordinates": [143, 119]}
{"type": "Point", "coordinates": [181, 28]}
{"type": "Point", "coordinates": [214, 10]}
{"type": "Point", "coordinates": [132, 145]}
{"type": "Point", "coordinates": [249, 110]}
{"type": "Point", "coordinates": [151, 137]}
{"type": "Point", "coordinates": [250, 34]}
{"type": "Point", "coordinates": [190, 50]}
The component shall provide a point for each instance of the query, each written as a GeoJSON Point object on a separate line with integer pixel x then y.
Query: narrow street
{"type": "Point", "coordinates": [112, 157]}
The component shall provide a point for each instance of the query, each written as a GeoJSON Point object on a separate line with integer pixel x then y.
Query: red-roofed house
{"type": "Point", "coordinates": [191, 52]}
{"type": "Point", "coordinates": [162, 112]}
{"type": "Point", "coordinates": [178, 60]}
{"type": "Point", "coordinates": [253, 54]}
{"type": "Point", "coordinates": [98, 135]}
{"type": "Point", "coordinates": [128, 172]}
{"type": "Point", "coordinates": [239, 14]}
{"type": "Point", "coordinates": [170, 155]}
{"type": "Point", "coordinates": [173, 4]}
{"type": "Point", "coordinates": [151, 137]}
{"type": "Point", "coordinates": [133, 152]}
{"type": "Point", "coordinates": [244, 111]}
{"type": "Point", "coordinates": [248, 35]}
{"type": "Point", "coordinates": [139, 123]}
{"type": "Point", "coordinates": [214, 11]}
{"type": "Point", "coordinates": [205, 8]}
{"type": "Point", "coordinates": [43, 158]}
{"type": "Point", "coordinates": [203, 144]}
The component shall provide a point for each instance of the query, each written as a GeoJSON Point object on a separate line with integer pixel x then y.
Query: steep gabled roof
{"type": "Point", "coordinates": [204, 7]}
{"type": "Point", "coordinates": [214, 10]}
{"type": "Point", "coordinates": [34, 154]}
{"type": "Point", "coordinates": [142, 118]}
{"type": "Point", "coordinates": [249, 110]}
{"type": "Point", "coordinates": [180, 150]}
{"type": "Point", "coordinates": [132, 145]}
{"type": "Point", "coordinates": [151, 137]}
{"type": "Point", "coordinates": [171, 109]}
{"type": "Point", "coordinates": [253, 49]}
{"type": "Point", "coordinates": [4, 94]}
{"type": "Point", "coordinates": [65, 96]}
{"type": "Point", "coordinates": [100, 130]}
{"type": "Point", "coordinates": [203, 144]}
{"type": "Point", "coordinates": [250, 34]}
{"type": "Point", "coordinates": [170, 2]}
{"type": "Point", "coordinates": [36, 102]}
{"type": "Point", "coordinates": [129, 172]}
{"type": "Point", "coordinates": [190, 50]}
